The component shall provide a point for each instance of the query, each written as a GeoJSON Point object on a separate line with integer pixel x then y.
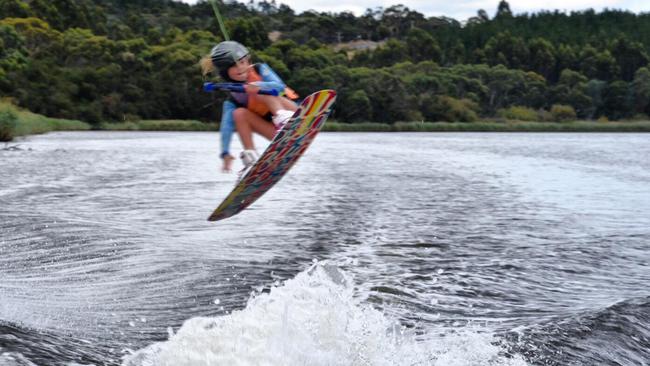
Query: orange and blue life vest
{"type": "Point", "coordinates": [263, 76]}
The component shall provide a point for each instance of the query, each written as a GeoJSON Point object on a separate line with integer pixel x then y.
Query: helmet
{"type": "Point", "coordinates": [226, 54]}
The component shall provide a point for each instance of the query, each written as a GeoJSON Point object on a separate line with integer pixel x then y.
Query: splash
{"type": "Point", "coordinates": [313, 319]}
{"type": "Point", "coordinates": [14, 359]}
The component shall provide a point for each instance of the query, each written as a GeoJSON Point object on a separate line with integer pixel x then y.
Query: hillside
{"type": "Point", "coordinates": [121, 60]}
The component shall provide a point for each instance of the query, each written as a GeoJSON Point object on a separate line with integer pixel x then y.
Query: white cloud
{"type": "Point", "coordinates": [462, 9]}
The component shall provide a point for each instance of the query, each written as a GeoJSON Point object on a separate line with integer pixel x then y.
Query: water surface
{"type": "Point", "coordinates": [452, 249]}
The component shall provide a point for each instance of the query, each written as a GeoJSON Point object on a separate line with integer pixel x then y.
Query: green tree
{"type": "Point", "coordinates": [250, 31]}
{"type": "Point", "coordinates": [503, 10]}
{"type": "Point", "coordinates": [399, 19]}
{"type": "Point", "coordinates": [13, 55]}
{"type": "Point", "coordinates": [617, 100]}
{"type": "Point", "coordinates": [598, 64]}
{"type": "Point", "coordinates": [595, 90]}
{"type": "Point", "coordinates": [7, 124]}
{"type": "Point", "coordinates": [518, 113]}
{"type": "Point", "coordinates": [309, 79]}
{"type": "Point", "coordinates": [39, 39]}
{"type": "Point", "coordinates": [566, 57]}
{"type": "Point", "coordinates": [390, 101]}
{"type": "Point", "coordinates": [561, 113]}
{"type": "Point", "coordinates": [630, 56]}
{"type": "Point", "coordinates": [62, 14]}
{"type": "Point", "coordinates": [541, 57]}
{"type": "Point", "coordinates": [641, 90]}
{"type": "Point", "coordinates": [304, 56]}
{"type": "Point", "coordinates": [392, 52]}
{"type": "Point", "coordinates": [571, 90]}
{"type": "Point", "coordinates": [422, 46]}
{"type": "Point", "coordinates": [14, 9]}
{"type": "Point", "coordinates": [449, 109]}
{"type": "Point", "coordinates": [109, 59]}
{"type": "Point", "coordinates": [480, 18]}
{"type": "Point", "coordinates": [357, 106]}
{"type": "Point", "coordinates": [81, 47]}
{"type": "Point", "coordinates": [454, 54]}
{"type": "Point", "coordinates": [507, 50]}
{"type": "Point", "coordinates": [505, 87]}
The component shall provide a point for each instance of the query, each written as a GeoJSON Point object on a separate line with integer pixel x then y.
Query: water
{"type": "Point", "coordinates": [376, 249]}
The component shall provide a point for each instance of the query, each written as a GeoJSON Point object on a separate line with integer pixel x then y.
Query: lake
{"type": "Point", "coordinates": [376, 249]}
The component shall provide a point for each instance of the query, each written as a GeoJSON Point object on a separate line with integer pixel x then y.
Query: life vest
{"type": "Point", "coordinates": [254, 103]}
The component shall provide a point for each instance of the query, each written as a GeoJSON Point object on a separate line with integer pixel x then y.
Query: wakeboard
{"type": "Point", "coordinates": [282, 153]}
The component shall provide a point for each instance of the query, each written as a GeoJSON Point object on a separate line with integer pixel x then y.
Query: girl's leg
{"type": "Point", "coordinates": [276, 103]}
{"type": "Point", "coordinates": [248, 122]}
{"type": "Point", "coordinates": [288, 104]}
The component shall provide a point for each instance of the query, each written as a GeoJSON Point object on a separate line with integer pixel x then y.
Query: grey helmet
{"type": "Point", "coordinates": [226, 54]}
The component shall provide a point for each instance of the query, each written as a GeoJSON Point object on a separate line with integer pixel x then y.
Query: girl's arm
{"type": "Point", "coordinates": [226, 128]}
{"type": "Point", "coordinates": [271, 80]}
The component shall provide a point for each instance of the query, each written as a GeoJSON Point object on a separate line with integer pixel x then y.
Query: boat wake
{"type": "Point", "coordinates": [314, 319]}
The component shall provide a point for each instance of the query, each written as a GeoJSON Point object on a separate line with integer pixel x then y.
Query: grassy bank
{"type": "Point", "coordinates": [160, 125]}
{"type": "Point", "coordinates": [480, 126]}
{"type": "Point", "coordinates": [491, 126]}
{"type": "Point", "coordinates": [16, 122]}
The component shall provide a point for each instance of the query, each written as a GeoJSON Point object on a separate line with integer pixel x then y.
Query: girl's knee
{"type": "Point", "coordinates": [240, 115]}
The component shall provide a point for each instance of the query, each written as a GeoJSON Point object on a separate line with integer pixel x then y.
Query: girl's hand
{"type": "Point", "coordinates": [227, 163]}
{"type": "Point", "coordinates": [251, 88]}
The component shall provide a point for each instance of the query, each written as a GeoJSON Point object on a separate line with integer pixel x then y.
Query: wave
{"type": "Point", "coordinates": [13, 359]}
{"type": "Point", "coordinates": [315, 319]}
{"type": "Point", "coordinates": [616, 335]}
{"type": "Point", "coordinates": [24, 346]}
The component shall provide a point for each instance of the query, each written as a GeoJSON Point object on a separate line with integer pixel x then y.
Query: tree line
{"type": "Point", "coordinates": [116, 60]}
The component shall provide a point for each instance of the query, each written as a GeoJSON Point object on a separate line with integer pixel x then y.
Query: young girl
{"type": "Point", "coordinates": [248, 112]}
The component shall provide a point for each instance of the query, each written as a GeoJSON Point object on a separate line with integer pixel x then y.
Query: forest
{"type": "Point", "coordinates": [119, 60]}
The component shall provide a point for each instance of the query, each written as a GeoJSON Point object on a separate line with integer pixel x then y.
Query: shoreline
{"type": "Point", "coordinates": [479, 126]}
{"type": "Point", "coordinates": [492, 126]}
{"type": "Point", "coordinates": [334, 126]}
{"type": "Point", "coordinates": [483, 126]}
{"type": "Point", "coordinates": [19, 122]}
{"type": "Point", "coordinates": [28, 123]}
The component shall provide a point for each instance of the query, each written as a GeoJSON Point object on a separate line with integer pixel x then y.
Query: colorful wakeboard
{"type": "Point", "coordinates": [285, 149]}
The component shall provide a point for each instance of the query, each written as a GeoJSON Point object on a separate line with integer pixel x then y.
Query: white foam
{"type": "Point", "coordinates": [14, 359]}
{"type": "Point", "coordinates": [313, 319]}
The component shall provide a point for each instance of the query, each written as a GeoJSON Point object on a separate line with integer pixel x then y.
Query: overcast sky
{"type": "Point", "coordinates": [461, 9]}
